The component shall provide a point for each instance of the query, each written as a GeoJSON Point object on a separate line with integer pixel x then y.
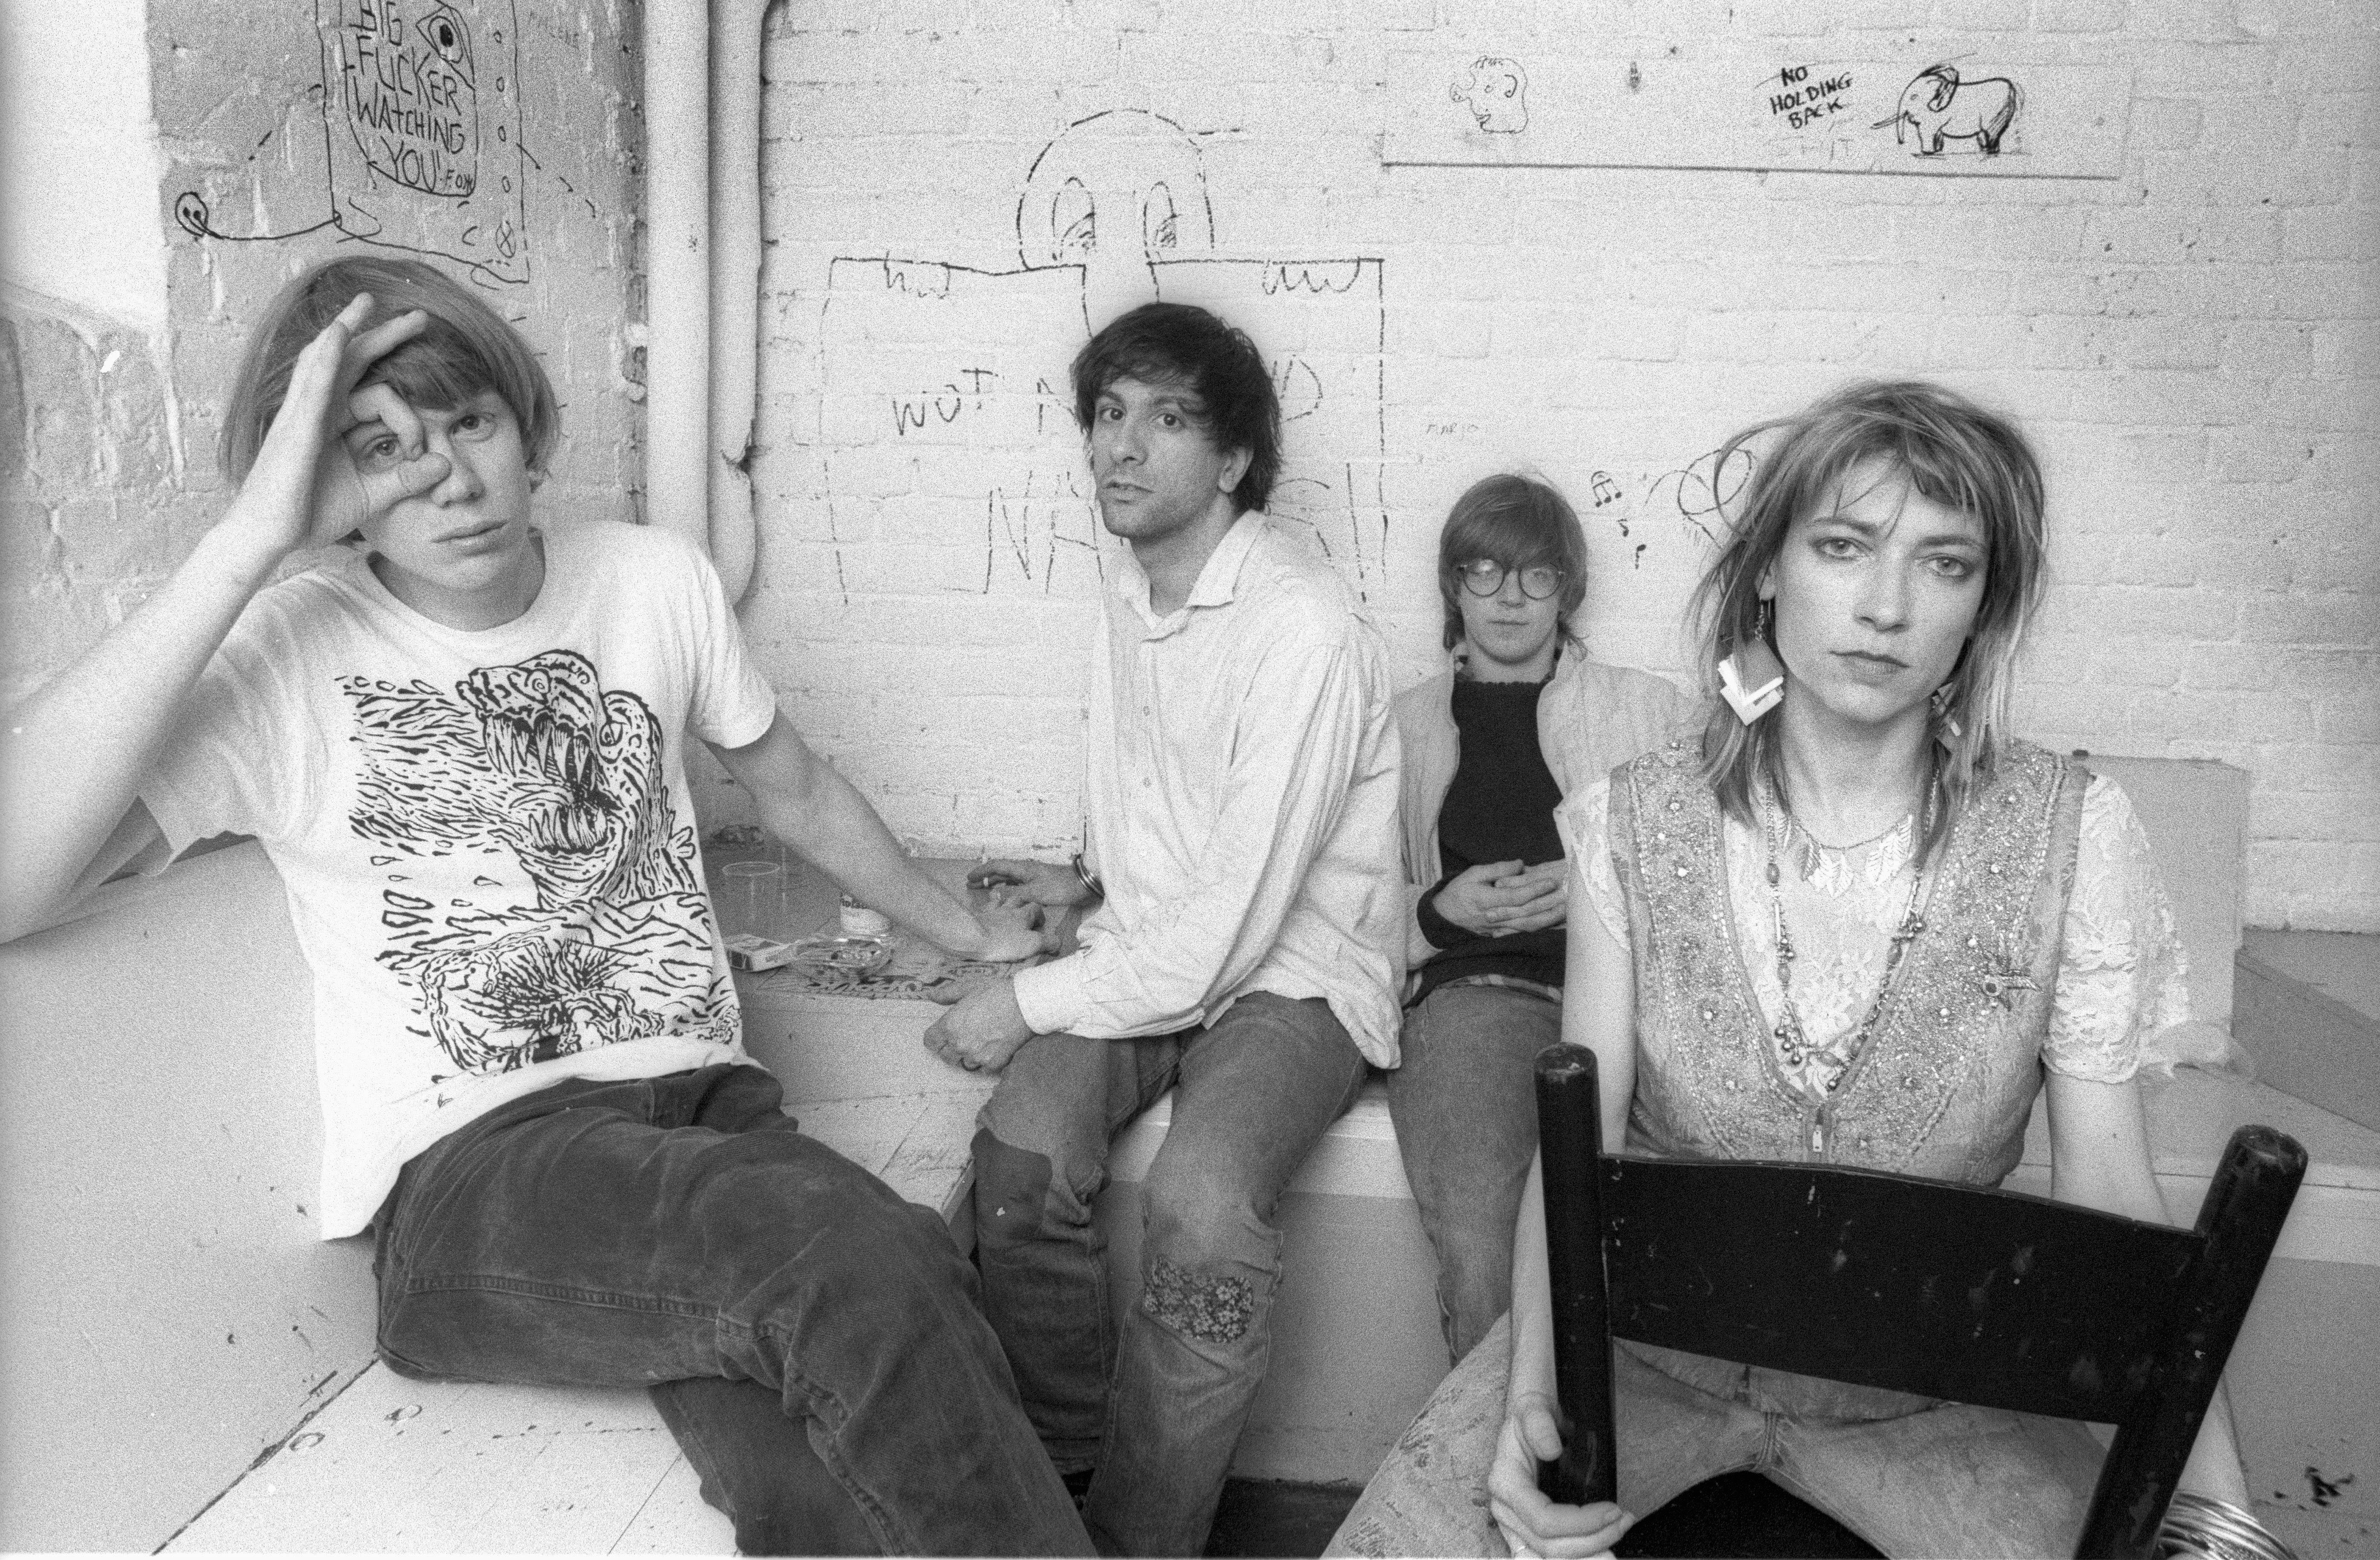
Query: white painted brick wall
{"type": "Point", "coordinates": [2194, 343]}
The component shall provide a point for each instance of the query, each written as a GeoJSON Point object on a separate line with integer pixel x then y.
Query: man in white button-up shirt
{"type": "Point", "coordinates": [1246, 951]}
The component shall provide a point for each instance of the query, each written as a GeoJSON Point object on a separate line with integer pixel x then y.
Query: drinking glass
{"type": "Point", "coordinates": [754, 899]}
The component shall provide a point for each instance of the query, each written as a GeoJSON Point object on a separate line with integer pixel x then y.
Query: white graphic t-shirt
{"type": "Point", "coordinates": [486, 836]}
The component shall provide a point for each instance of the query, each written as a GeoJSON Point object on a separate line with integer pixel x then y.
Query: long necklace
{"type": "Point", "coordinates": [1793, 1042]}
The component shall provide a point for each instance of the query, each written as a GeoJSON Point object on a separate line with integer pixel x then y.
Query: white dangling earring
{"type": "Point", "coordinates": [1751, 678]}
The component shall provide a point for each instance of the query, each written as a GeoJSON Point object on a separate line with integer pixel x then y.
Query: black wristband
{"type": "Point", "coordinates": [1098, 890]}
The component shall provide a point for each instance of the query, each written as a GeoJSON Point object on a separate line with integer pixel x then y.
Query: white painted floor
{"type": "Point", "coordinates": [431, 1468]}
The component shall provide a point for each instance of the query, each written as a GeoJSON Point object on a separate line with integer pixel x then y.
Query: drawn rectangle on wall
{"type": "Point", "coordinates": [1499, 102]}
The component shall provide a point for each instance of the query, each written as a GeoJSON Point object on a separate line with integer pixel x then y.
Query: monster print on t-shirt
{"type": "Point", "coordinates": [534, 762]}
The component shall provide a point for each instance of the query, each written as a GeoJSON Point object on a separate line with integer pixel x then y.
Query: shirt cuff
{"type": "Point", "coordinates": [1442, 934]}
{"type": "Point", "coordinates": [1051, 996]}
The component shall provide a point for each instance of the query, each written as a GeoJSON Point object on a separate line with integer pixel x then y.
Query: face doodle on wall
{"type": "Point", "coordinates": [1496, 91]}
{"type": "Point", "coordinates": [1125, 184]}
{"type": "Point", "coordinates": [539, 763]}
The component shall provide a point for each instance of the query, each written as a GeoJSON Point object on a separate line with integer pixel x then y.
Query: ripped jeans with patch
{"type": "Point", "coordinates": [1157, 1405]}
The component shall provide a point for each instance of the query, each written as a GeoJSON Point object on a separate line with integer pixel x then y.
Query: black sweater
{"type": "Point", "coordinates": [1500, 806]}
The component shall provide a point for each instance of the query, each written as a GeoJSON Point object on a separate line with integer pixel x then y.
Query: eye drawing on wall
{"type": "Point", "coordinates": [1496, 91]}
{"type": "Point", "coordinates": [1136, 180]}
{"type": "Point", "coordinates": [1937, 106]}
{"type": "Point", "coordinates": [1114, 213]}
{"type": "Point", "coordinates": [420, 115]}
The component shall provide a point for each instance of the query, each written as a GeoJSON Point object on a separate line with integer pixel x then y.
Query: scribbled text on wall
{"type": "Point", "coordinates": [406, 79]}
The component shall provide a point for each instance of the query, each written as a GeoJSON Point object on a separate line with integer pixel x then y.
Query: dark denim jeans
{"type": "Point", "coordinates": [1157, 1411]}
{"type": "Point", "coordinates": [1464, 1103]}
{"type": "Point", "coordinates": [812, 1339]}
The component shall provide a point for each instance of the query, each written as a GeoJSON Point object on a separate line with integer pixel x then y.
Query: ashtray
{"type": "Point", "coordinates": [840, 960]}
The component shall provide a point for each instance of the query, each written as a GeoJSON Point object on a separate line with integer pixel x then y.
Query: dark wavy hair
{"type": "Point", "coordinates": [466, 348]}
{"type": "Point", "coordinates": [1519, 522]}
{"type": "Point", "coordinates": [1179, 343]}
{"type": "Point", "coordinates": [1953, 451]}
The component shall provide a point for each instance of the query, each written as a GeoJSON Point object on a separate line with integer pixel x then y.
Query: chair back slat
{"type": "Point", "coordinates": [1570, 1142]}
{"type": "Point", "coordinates": [2239, 1224]}
{"type": "Point", "coordinates": [1965, 1293]}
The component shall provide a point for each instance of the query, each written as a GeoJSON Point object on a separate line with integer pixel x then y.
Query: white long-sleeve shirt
{"type": "Point", "coordinates": [1240, 806]}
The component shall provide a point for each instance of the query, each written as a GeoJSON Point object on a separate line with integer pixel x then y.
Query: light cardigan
{"type": "Point", "coordinates": [1591, 718]}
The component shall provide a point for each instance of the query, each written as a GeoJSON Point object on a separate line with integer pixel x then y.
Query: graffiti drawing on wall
{"type": "Point", "coordinates": [1802, 97]}
{"type": "Point", "coordinates": [1465, 99]}
{"type": "Point", "coordinates": [1496, 91]}
{"type": "Point", "coordinates": [1701, 490]}
{"type": "Point", "coordinates": [1692, 500]}
{"type": "Point", "coordinates": [1937, 106]}
{"type": "Point", "coordinates": [932, 453]}
{"type": "Point", "coordinates": [420, 120]}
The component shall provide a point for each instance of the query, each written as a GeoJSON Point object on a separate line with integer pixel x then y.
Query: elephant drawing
{"type": "Point", "coordinates": [1939, 107]}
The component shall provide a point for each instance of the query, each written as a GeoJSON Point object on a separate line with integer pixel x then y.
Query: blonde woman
{"type": "Point", "coordinates": [1858, 922]}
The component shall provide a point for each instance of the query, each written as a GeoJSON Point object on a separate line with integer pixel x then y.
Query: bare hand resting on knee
{"type": "Point", "coordinates": [1531, 1524]}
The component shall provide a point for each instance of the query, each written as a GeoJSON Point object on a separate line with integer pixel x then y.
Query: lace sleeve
{"type": "Point", "coordinates": [2122, 1005]}
{"type": "Point", "coordinates": [1584, 821]}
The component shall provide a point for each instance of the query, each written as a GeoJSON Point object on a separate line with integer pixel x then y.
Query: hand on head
{"type": "Point", "coordinates": [306, 486]}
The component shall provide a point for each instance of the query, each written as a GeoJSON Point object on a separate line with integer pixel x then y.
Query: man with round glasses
{"type": "Point", "coordinates": [1491, 746]}
{"type": "Point", "coordinates": [1486, 577]}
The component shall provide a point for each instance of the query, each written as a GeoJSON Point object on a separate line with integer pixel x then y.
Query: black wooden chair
{"type": "Point", "coordinates": [1965, 1293]}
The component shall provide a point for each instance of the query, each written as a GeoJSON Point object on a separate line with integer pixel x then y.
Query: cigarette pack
{"type": "Point", "coordinates": [746, 951]}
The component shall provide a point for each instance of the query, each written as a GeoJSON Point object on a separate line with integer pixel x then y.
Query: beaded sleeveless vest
{"type": "Point", "coordinates": [1947, 1080]}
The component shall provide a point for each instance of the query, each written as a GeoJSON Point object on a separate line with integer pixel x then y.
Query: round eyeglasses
{"type": "Point", "coordinates": [1485, 576]}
